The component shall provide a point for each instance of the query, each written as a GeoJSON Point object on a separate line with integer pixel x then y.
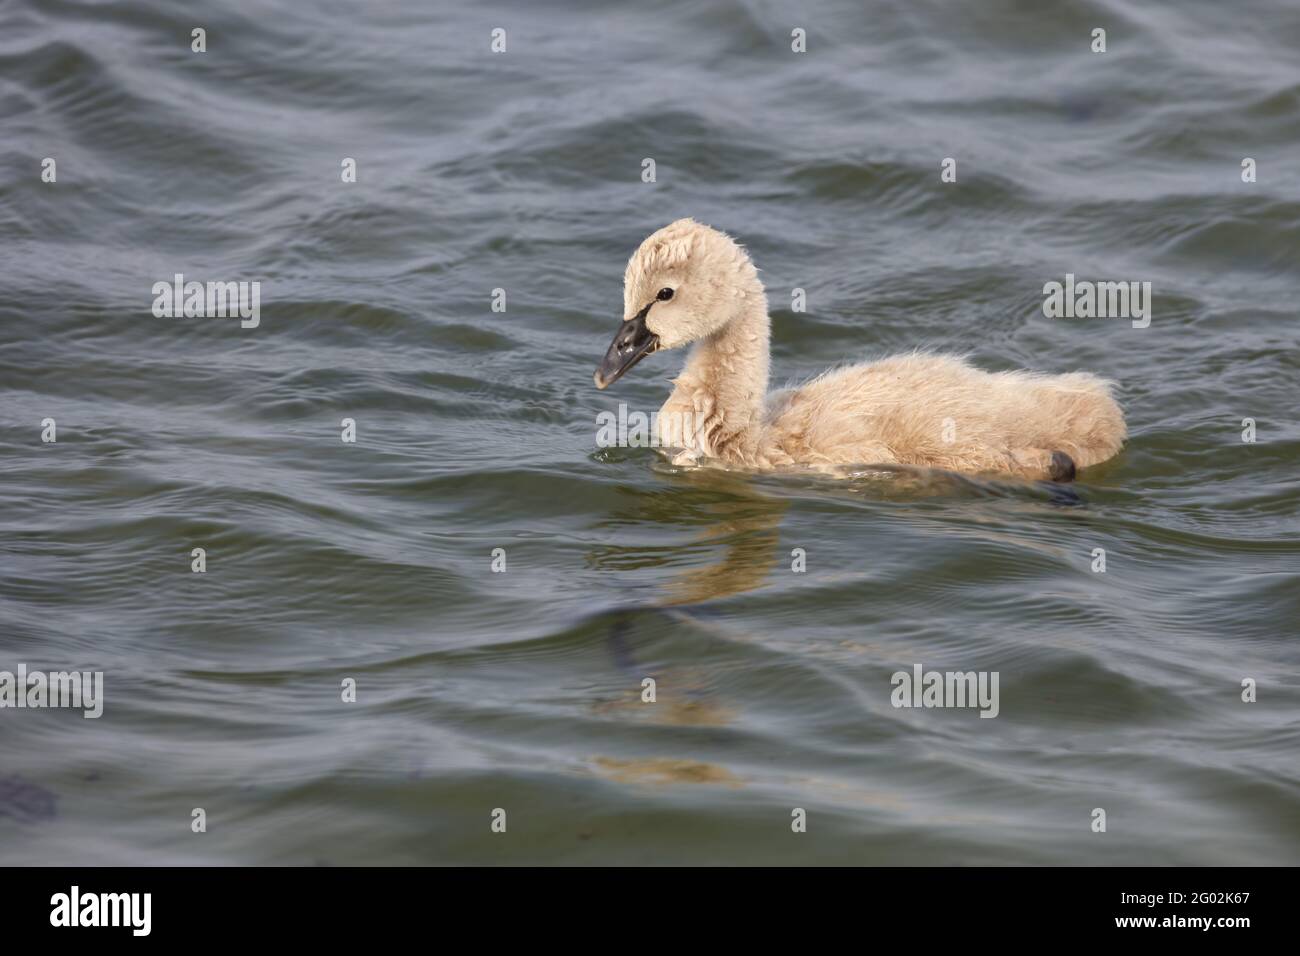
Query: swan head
{"type": "Point", "coordinates": [686, 282]}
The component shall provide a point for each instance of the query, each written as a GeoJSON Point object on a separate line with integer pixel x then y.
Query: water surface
{"type": "Point", "coordinates": [477, 431]}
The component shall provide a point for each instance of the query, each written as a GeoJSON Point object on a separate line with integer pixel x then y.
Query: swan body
{"type": "Point", "coordinates": [689, 284]}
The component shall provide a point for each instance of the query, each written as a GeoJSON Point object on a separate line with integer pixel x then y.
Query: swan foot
{"type": "Point", "coordinates": [1062, 468]}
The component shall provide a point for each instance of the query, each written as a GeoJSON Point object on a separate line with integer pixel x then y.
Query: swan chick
{"type": "Point", "coordinates": [689, 285]}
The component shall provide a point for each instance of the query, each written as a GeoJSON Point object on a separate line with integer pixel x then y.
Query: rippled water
{"type": "Point", "coordinates": [476, 431]}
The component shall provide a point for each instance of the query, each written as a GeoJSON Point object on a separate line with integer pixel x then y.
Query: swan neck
{"type": "Point", "coordinates": [731, 368]}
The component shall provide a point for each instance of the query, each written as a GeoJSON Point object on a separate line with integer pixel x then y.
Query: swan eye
{"type": "Point", "coordinates": [664, 295]}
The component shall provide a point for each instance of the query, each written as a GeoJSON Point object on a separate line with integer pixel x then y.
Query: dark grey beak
{"type": "Point", "coordinates": [633, 343]}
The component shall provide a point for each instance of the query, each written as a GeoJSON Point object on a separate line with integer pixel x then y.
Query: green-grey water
{"type": "Point", "coordinates": [478, 690]}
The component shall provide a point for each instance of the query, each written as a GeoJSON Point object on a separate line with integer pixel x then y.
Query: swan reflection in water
{"type": "Point", "coordinates": [732, 546]}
